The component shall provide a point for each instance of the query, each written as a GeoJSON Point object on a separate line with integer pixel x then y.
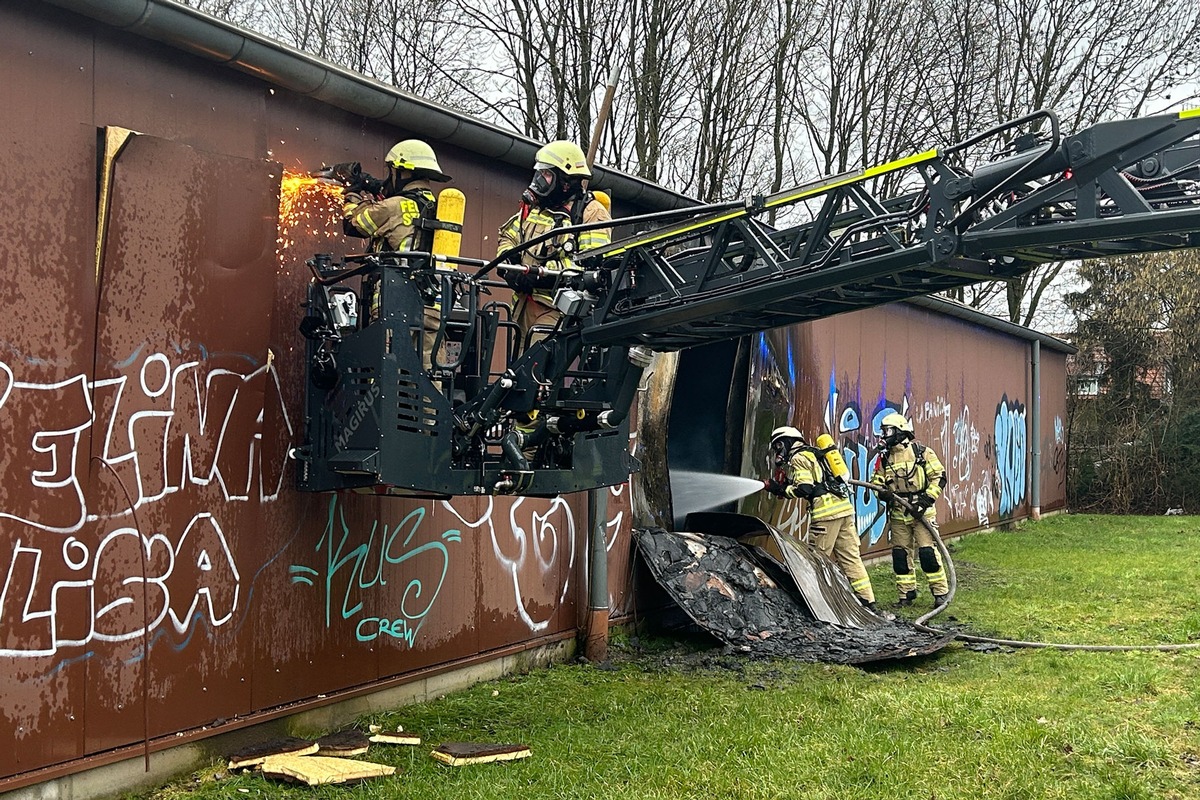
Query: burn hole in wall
{"type": "Point", "coordinates": [708, 408]}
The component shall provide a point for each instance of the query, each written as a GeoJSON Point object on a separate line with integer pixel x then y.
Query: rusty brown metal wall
{"type": "Point", "coordinates": [159, 572]}
{"type": "Point", "coordinates": [966, 388]}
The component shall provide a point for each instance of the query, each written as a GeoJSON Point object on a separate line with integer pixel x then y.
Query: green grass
{"type": "Point", "coordinates": [674, 720]}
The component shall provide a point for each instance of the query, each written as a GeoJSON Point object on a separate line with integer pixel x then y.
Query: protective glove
{"type": "Point", "coordinates": [922, 502]}
{"type": "Point", "coordinates": [886, 495]}
{"type": "Point", "coordinates": [520, 282]}
{"type": "Point", "coordinates": [775, 487]}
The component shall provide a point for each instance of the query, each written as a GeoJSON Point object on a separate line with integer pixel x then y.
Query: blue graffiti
{"type": "Point", "coordinates": [1011, 449]}
{"type": "Point", "coordinates": [867, 508]}
{"type": "Point", "coordinates": [351, 569]}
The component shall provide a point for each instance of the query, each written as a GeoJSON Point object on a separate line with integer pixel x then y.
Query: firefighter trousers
{"type": "Point", "coordinates": [913, 545]}
{"type": "Point", "coordinates": [838, 539]}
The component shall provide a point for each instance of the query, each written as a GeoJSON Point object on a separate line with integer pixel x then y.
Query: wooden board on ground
{"type": "Point", "coordinates": [320, 770]}
{"type": "Point", "coordinates": [255, 754]}
{"type": "Point", "coordinates": [457, 754]}
{"type": "Point", "coordinates": [343, 744]}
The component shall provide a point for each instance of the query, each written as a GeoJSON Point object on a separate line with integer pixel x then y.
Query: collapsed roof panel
{"type": "Point", "coordinates": [745, 597]}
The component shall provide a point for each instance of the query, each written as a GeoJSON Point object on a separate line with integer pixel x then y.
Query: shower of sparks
{"type": "Point", "coordinates": [309, 208]}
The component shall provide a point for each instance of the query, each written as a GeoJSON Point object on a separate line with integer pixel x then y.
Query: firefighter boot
{"type": "Point", "coordinates": [869, 605]}
{"type": "Point", "coordinates": [906, 599]}
{"type": "Point", "coordinates": [940, 600]}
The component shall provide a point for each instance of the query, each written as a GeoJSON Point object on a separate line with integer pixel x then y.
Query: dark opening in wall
{"type": "Point", "coordinates": [708, 411]}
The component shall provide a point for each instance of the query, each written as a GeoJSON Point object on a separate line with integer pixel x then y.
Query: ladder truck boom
{"type": "Point", "coordinates": [945, 218]}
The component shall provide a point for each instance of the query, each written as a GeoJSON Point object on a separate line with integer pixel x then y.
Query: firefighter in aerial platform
{"type": "Point", "coordinates": [557, 196]}
{"type": "Point", "coordinates": [802, 471]}
{"type": "Point", "coordinates": [392, 219]}
{"type": "Point", "coordinates": [908, 469]}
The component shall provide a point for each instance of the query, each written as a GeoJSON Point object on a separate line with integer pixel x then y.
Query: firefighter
{"type": "Point", "coordinates": [908, 469]}
{"type": "Point", "coordinates": [557, 196]}
{"type": "Point", "coordinates": [801, 472]}
{"type": "Point", "coordinates": [390, 219]}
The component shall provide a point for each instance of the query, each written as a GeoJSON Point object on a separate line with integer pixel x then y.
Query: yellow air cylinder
{"type": "Point", "coordinates": [451, 208]}
{"type": "Point", "coordinates": [603, 199]}
{"type": "Point", "coordinates": [833, 458]}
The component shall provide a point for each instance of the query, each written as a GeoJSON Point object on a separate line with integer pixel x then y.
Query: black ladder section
{"type": "Point", "coordinates": [1116, 188]}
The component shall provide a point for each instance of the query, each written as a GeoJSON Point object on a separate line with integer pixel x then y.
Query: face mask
{"type": "Point", "coordinates": [544, 183]}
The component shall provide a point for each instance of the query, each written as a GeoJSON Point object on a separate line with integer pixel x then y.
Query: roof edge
{"type": "Point", "coordinates": [941, 305]}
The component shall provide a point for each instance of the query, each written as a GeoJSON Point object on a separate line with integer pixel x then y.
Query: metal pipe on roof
{"type": "Point", "coordinates": [213, 39]}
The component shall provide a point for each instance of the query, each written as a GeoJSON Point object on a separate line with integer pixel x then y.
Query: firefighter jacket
{"type": "Point", "coordinates": [910, 470]}
{"type": "Point", "coordinates": [389, 223]}
{"type": "Point", "coordinates": [806, 478]}
{"type": "Point", "coordinates": [553, 254]}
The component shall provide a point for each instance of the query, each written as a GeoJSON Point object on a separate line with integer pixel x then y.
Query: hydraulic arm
{"type": "Point", "coordinates": [379, 422]}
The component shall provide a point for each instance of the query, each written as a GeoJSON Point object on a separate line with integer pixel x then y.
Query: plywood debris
{"type": "Point", "coordinates": [320, 770]}
{"type": "Point", "coordinates": [396, 737]}
{"type": "Point", "coordinates": [344, 743]}
{"type": "Point", "coordinates": [457, 754]}
{"type": "Point", "coordinates": [255, 754]}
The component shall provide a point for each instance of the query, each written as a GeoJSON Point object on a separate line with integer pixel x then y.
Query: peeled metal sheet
{"type": "Point", "coordinates": [747, 599]}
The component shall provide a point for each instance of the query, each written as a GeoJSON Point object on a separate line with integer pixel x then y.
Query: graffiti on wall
{"type": "Point", "coordinates": [986, 474]}
{"type": "Point", "coordinates": [1012, 447]}
{"type": "Point", "coordinates": [351, 561]}
{"type": "Point", "coordinates": [160, 428]}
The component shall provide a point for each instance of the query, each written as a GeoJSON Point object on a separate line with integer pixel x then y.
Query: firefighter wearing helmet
{"type": "Point", "coordinates": [799, 471]}
{"type": "Point", "coordinates": [390, 219]}
{"type": "Point", "coordinates": [557, 196]}
{"type": "Point", "coordinates": [910, 471]}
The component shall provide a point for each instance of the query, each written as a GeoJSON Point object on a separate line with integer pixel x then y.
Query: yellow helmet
{"type": "Point", "coordinates": [563, 155]}
{"type": "Point", "coordinates": [415, 155]}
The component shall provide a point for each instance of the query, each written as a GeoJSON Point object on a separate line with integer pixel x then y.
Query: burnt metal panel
{"type": "Point", "coordinates": [750, 602]}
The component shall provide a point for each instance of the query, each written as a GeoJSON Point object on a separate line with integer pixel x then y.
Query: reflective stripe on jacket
{"type": "Point", "coordinates": [553, 254]}
{"type": "Point", "coordinates": [390, 223]}
{"type": "Point", "coordinates": [804, 469]}
{"type": "Point", "coordinates": [901, 471]}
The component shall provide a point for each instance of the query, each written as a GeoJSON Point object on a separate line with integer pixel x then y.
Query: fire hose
{"type": "Point", "coordinates": [952, 580]}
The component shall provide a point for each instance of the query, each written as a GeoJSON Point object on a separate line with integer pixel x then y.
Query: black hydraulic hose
{"type": "Point", "coordinates": [952, 579]}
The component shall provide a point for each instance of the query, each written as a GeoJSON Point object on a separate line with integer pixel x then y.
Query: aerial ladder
{"type": "Point", "coordinates": [377, 422]}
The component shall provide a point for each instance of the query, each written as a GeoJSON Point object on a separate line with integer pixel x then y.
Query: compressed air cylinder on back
{"type": "Point", "coordinates": [451, 208]}
{"type": "Point", "coordinates": [833, 458]}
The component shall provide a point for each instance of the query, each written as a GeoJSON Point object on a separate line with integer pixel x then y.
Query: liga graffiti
{"type": "Point", "coordinates": [103, 600]}
{"type": "Point", "coordinates": [162, 429]}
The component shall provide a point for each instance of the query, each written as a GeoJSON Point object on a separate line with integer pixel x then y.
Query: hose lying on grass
{"type": "Point", "coordinates": [952, 580]}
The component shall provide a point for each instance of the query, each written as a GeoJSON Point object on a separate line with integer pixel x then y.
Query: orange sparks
{"type": "Point", "coordinates": [308, 207]}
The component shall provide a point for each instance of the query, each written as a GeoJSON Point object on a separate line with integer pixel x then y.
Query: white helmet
{"type": "Point", "coordinates": [785, 433]}
{"type": "Point", "coordinates": [894, 429]}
